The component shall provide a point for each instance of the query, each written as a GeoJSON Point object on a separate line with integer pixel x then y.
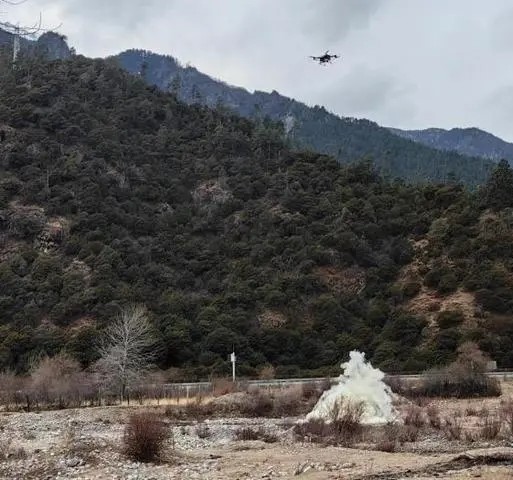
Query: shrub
{"type": "Point", "coordinates": [433, 414]}
{"type": "Point", "coordinates": [411, 289]}
{"type": "Point", "coordinates": [459, 381]}
{"type": "Point", "coordinates": [386, 445]}
{"type": "Point", "coordinates": [452, 428]}
{"type": "Point", "coordinates": [506, 413]}
{"type": "Point", "coordinates": [222, 386]}
{"type": "Point", "coordinates": [248, 433]}
{"type": "Point", "coordinates": [449, 318]}
{"type": "Point", "coordinates": [408, 433]}
{"type": "Point", "coordinates": [267, 372]}
{"type": "Point", "coordinates": [343, 428]}
{"type": "Point", "coordinates": [203, 431]}
{"type": "Point", "coordinates": [490, 428]}
{"type": "Point", "coordinates": [414, 416]}
{"type": "Point", "coordinates": [470, 411]}
{"type": "Point", "coordinates": [260, 405]}
{"type": "Point", "coordinates": [145, 437]}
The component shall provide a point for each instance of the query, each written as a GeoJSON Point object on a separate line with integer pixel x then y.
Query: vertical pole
{"type": "Point", "coordinates": [233, 359]}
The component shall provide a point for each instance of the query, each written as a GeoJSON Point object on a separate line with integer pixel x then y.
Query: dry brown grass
{"type": "Point", "coordinates": [506, 413]}
{"type": "Point", "coordinates": [490, 428]}
{"type": "Point", "coordinates": [223, 386]}
{"type": "Point", "coordinates": [433, 415]}
{"type": "Point", "coordinates": [343, 428]}
{"type": "Point", "coordinates": [452, 428]}
{"type": "Point", "coordinates": [414, 416]}
{"type": "Point", "coordinates": [248, 434]}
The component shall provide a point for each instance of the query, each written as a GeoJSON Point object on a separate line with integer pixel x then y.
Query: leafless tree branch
{"type": "Point", "coordinates": [127, 350]}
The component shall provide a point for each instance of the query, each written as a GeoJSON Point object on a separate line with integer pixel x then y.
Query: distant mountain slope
{"type": "Point", "coordinates": [347, 139]}
{"type": "Point", "coordinates": [50, 45]}
{"type": "Point", "coordinates": [467, 141]}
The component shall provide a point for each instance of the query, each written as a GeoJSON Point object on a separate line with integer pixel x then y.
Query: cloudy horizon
{"type": "Point", "coordinates": [404, 64]}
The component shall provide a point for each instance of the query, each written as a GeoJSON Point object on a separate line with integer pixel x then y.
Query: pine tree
{"type": "Point", "coordinates": [498, 192]}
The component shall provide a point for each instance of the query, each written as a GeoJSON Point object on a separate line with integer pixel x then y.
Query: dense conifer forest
{"type": "Point", "coordinates": [113, 192]}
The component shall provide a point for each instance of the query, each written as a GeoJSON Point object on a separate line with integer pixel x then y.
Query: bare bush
{"type": "Point", "coordinates": [409, 433]}
{"type": "Point", "coordinates": [58, 381]}
{"type": "Point", "coordinates": [386, 445]}
{"type": "Point", "coordinates": [471, 411]}
{"type": "Point", "coordinates": [400, 433]}
{"type": "Point", "coordinates": [433, 415]}
{"type": "Point", "coordinates": [414, 416]}
{"type": "Point", "coordinates": [490, 428]}
{"type": "Point", "coordinates": [248, 433]}
{"type": "Point", "coordinates": [506, 413]}
{"type": "Point", "coordinates": [259, 405]}
{"type": "Point", "coordinates": [343, 428]}
{"type": "Point", "coordinates": [267, 372]}
{"type": "Point", "coordinates": [203, 431]}
{"type": "Point", "coordinates": [8, 451]}
{"type": "Point", "coordinates": [288, 402]}
{"type": "Point", "coordinates": [11, 386]}
{"type": "Point", "coordinates": [459, 381]}
{"type": "Point", "coordinates": [470, 436]}
{"type": "Point", "coordinates": [145, 437]}
{"type": "Point", "coordinates": [452, 428]}
{"type": "Point", "coordinates": [223, 386]}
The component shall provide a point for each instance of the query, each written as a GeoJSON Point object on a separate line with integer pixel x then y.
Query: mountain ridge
{"type": "Point", "coordinates": [347, 139]}
{"type": "Point", "coordinates": [468, 141]}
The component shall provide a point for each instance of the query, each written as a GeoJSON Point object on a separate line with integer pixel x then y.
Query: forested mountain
{"type": "Point", "coordinates": [347, 139]}
{"type": "Point", "coordinates": [114, 192]}
{"type": "Point", "coordinates": [467, 141]}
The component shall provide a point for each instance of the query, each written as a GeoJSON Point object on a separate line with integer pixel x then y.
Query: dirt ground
{"type": "Point", "coordinates": [87, 444]}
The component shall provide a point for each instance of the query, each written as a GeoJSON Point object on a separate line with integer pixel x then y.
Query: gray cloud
{"type": "Point", "coordinates": [404, 63]}
{"type": "Point", "coordinates": [332, 20]}
{"type": "Point", "coordinates": [365, 90]}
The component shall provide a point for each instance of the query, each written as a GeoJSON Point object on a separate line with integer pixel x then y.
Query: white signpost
{"type": "Point", "coordinates": [233, 359]}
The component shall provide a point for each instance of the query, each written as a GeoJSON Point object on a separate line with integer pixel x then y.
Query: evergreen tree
{"type": "Point", "coordinates": [498, 193]}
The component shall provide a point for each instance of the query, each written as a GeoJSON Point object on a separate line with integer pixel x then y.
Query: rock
{"type": "Point", "coordinates": [73, 462]}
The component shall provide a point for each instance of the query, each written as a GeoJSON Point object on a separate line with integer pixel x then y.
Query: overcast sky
{"type": "Point", "coordinates": [405, 63]}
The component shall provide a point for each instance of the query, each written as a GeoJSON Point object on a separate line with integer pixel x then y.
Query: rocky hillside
{"type": "Point", "coordinates": [113, 192]}
{"type": "Point", "coordinates": [347, 139]}
{"type": "Point", "coordinates": [467, 141]}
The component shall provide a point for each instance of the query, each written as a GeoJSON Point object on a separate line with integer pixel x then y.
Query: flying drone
{"type": "Point", "coordinates": [324, 59]}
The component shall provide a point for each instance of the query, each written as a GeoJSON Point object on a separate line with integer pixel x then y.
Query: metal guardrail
{"type": "Point", "coordinates": [190, 388]}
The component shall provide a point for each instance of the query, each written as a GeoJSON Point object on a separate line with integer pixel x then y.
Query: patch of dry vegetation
{"type": "Point", "coordinates": [145, 437]}
{"type": "Point", "coordinates": [344, 426]}
{"type": "Point", "coordinates": [284, 402]}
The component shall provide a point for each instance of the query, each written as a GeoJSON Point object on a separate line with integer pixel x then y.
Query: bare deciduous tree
{"type": "Point", "coordinates": [128, 348]}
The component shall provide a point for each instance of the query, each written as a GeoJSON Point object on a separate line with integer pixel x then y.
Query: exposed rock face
{"type": "Point", "coordinates": [51, 45]}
